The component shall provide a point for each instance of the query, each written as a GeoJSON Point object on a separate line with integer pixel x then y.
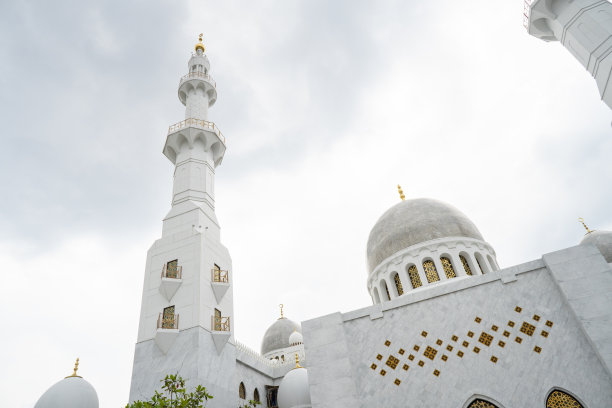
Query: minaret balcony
{"type": "Point", "coordinates": [168, 321]}
{"type": "Point", "coordinates": [220, 323]}
{"type": "Point", "coordinates": [167, 330]}
{"type": "Point", "coordinates": [171, 279]}
{"type": "Point", "coordinates": [219, 280]}
{"type": "Point", "coordinates": [195, 80]}
{"type": "Point", "coordinates": [189, 131]}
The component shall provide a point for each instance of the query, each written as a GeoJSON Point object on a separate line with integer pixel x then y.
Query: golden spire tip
{"type": "Point", "coordinates": [401, 193]}
{"type": "Point", "coordinates": [297, 361]}
{"type": "Point", "coordinates": [199, 45]}
{"type": "Point", "coordinates": [76, 367]}
{"type": "Point", "coordinates": [281, 308]}
{"type": "Point", "coordinates": [581, 220]}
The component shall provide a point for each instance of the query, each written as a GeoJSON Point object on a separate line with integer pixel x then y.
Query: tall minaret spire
{"type": "Point", "coordinates": [195, 145]}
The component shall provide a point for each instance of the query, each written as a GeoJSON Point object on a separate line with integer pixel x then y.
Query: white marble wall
{"type": "Point", "coordinates": [342, 347]}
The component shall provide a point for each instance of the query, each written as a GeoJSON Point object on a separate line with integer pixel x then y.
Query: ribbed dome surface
{"type": "Point", "coordinates": [71, 392]}
{"type": "Point", "coordinates": [602, 240]}
{"type": "Point", "coordinates": [277, 335]}
{"type": "Point", "coordinates": [293, 391]}
{"type": "Point", "coordinates": [412, 222]}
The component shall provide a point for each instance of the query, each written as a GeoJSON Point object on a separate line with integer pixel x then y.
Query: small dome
{"type": "Point", "coordinates": [415, 221]}
{"type": "Point", "coordinates": [602, 240]}
{"type": "Point", "coordinates": [71, 392]}
{"type": "Point", "coordinates": [296, 338]}
{"type": "Point", "coordinates": [293, 391]}
{"type": "Point", "coordinates": [277, 335]}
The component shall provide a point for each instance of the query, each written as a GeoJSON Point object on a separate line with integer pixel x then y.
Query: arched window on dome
{"type": "Point", "coordinates": [256, 395]}
{"type": "Point", "coordinates": [480, 403]}
{"type": "Point", "coordinates": [430, 271]}
{"type": "Point", "coordinates": [481, 263]}
{"type": "Point", "coordinates": [241, 391]}
{"type": "Point", "coordinates": [384, 291]}
{"type": "Point", "coordinates": [561, 399]}
{"type": "Point", "coordinates": [448, 267]}
{"type": "Point", "coordinates": [398, 284]}
{"type": "Point", "coordinates": [466, 265]}
{"type": "Point", "coordinates": [376, 296]}
{"type": "Point", "coordinates": [415, 279]}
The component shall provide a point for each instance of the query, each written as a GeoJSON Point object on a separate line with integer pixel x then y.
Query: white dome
{"type": "Point", "coordinates": [277, 335]}
{"type": "Point", "coordinates": [602, 240]}
{"type": "Point", "coordinates": [412, 222]}
{"type": "Point", "coordinates": [293, 391]}
{"type": "Point", "coordinates": [71, 392]}
{"type": "Point", "coordinates": [296, 338]}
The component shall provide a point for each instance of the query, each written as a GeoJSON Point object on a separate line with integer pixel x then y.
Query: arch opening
{"type": "Point", "coordinates": [384, 289]}
{"type": "Point", "coordinates": [447, 265]}
{"type": "Point", "coordinates": [431, 273]}
{"type": "Point", "coordinates": [241, 391]}
{"type": "Point", "coordinates": [415, 279]}
{"type": "Point", "coordinates": [561, 399]}
{"type": "Point", "coordinates": [399, 290]}
{"type": "Point", "coordinates": [466, 265]}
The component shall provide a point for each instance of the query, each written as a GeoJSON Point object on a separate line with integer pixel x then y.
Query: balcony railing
{"type": "Point", "coordinates": [198, 123]}
{"type": "Point", "coordinates": [172, 272]}
{"type": "Point", "coordinates": [219, 276]}
{"type": "Point", "coordinates": [198, 74]}
{"type": "Point", "coordinates": [219, 323]}
{"type": "Point", "coordinates": [168, 322]}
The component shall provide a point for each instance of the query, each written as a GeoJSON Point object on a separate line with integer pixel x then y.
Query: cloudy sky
{"type": "Point", "coordinates": [326, 107]}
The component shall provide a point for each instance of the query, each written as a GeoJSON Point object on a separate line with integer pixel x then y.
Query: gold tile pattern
{"type": "Point", "coordinates": [439, 342]}
{"type": "Point", "coordinates": [430, 352]}
{"type": "Point", "coordinates": [387, 343]}
{"type": "Point", "coordinates": [392, 362]}
{"type": "Point", "coordinates": [527, 328]}
{"type": "Point", "coordinates": [518, 309]}
{"type": "Point", "coordinates": [383, 372]}
{"type": "Point", "coordinates": [436, 373]}
{"type": "Point", "coordinates": [478, 403]}
{"type": "Point", "coordinates": [485, 338]}
{"type": "Point", "coordinates": [421, 363]}
{"type": "Point", "coordinates": [536, 318]}
{"type": "Point", "coordinates": [397, 381]}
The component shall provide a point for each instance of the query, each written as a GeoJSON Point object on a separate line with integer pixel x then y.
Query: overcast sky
{"type": "Point", "coordinates": [326, 107]}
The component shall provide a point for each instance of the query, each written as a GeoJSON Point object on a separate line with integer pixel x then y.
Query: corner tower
{"type": "Point", "coordinates": [186, 315]}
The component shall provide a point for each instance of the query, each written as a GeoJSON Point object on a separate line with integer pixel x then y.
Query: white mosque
{"type": "Point", "coordinates": [447, 328]}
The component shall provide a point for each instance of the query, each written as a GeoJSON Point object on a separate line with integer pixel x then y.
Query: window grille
{"type": "Point", "coordinates": [466, 265]}
{"type": "Point", "coordinates": [242, 391]}
{"type": "Point", "coordinates": [448, 268]}
{"type": "Point", "coordinates": [415, 280]}
{"type": "Point", "coordinates": [430, 271]}
{"type": "Point", "coordinates": [560, 399]}
{"type": "Point", "coordinates": [398, 285]}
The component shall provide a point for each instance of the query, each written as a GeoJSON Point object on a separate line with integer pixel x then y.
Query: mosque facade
{"type": "Point", "coordinates": [447, 326]}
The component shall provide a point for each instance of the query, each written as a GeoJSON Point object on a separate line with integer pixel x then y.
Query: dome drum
{"type": "Point", "coordinates": [428, 264]}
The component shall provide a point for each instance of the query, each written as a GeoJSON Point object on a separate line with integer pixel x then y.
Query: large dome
{"type": "Point", "coordinates": [277, 335]}
{"type": "Point", "coordinates": [602, 240]}
{"type": "Point", "coordinates": [71, 392]}
{"type": "Point", "coordinates": [415, 221]}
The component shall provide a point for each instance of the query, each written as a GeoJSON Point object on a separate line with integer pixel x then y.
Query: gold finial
{"type": "Point", "coordinates": [76, 367]}
{"type": "Point", "coordinates": [401, 193]}
{"type": "Point", "coordinates": [281, 307]}
{"type": "Point", "coordinates": [199, 45]}
{"type": "Point", "coordinates": [297, 361]}
{"type": "Point", "coordinates": [584, 225]}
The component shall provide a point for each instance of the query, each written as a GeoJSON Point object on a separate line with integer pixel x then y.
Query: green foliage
{"type": "Point", "coordinates": [174, 395]}
{"type": "Point", "coordinates": [250, 404]}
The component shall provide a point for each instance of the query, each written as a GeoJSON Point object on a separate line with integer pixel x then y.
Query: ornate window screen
{"type": "Point", "coordinates": [479, 403]}
{"type": "Point", "coordinates": [398, 284]}
{"type": "Point", "coordinates": [241, 391]}
{"type": "Point", "coordinates": [415, 280]}
{"type": "Point", "coordinates": [448, 268]}
{"type": "Point", "coordinates": [560, 399]}
{"type": "Point", "coordinates": [466, 266]}
{"type": "Point", "coordinates": [430, 271]}
{"type": "Point", "coordinates": [256, 395]}
{"type": "Point", "coordinates": [168, 319]}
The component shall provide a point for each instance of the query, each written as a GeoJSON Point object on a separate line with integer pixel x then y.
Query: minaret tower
{"type": "Point", "coordinates": [186, 317]}
{"type": "Point", "coordinates": [584, 27]}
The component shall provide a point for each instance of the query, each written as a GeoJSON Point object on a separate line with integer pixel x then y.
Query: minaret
{"type": "Point", "coordinates": [186, 317]}
{"type": "Point", "coordinates": [584, 27]}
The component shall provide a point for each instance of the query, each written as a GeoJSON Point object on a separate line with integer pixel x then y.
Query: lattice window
{"type": "Point", "coordinates": [466, 265]}
{"type": "Point", "coordinates": [415, 280]}
{"type": "Point", "coordinates": [172, 269]}
{"type": "Point", "coordinates": [480, 403]}
{"type": "Point", "coordinates": [168, 318]}
{"type": "Point", "coordinates": [242, 391]}
{"type": "Point", "coordinates": [398, 284]}
{"type": "Point", "coordinates": [560, 399]}
{"type": "Point", "coordinates": [256, 395]}
{"type": "Point", "coordinates": [448, 268]}
{"type": "Point", "coordinates": [430, 271]}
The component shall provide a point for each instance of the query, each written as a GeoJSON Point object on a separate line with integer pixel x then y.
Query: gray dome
{"type": "Point", "coordinates": [602, 240]}
{"type": "Point", "coordinates": [277, 335]}
{"type": "Point", "coordinates": [71, 392]}
{"type": "Point", "coordinates": [415, 221]}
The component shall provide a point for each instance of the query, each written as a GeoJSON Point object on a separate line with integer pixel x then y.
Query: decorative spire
{"type": "Point", "coordinates": [401, 193]}
{"type": "Point", "coordinates": [281, 307]}
{"type": "Point", "coordinates": [76, 367]}
{"type": "Point", "coordinates": [199, 45]}
{"type": "Point", "coordinates": [584, 225]}
{"type": "Point", "coordinates": [297, 361]}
